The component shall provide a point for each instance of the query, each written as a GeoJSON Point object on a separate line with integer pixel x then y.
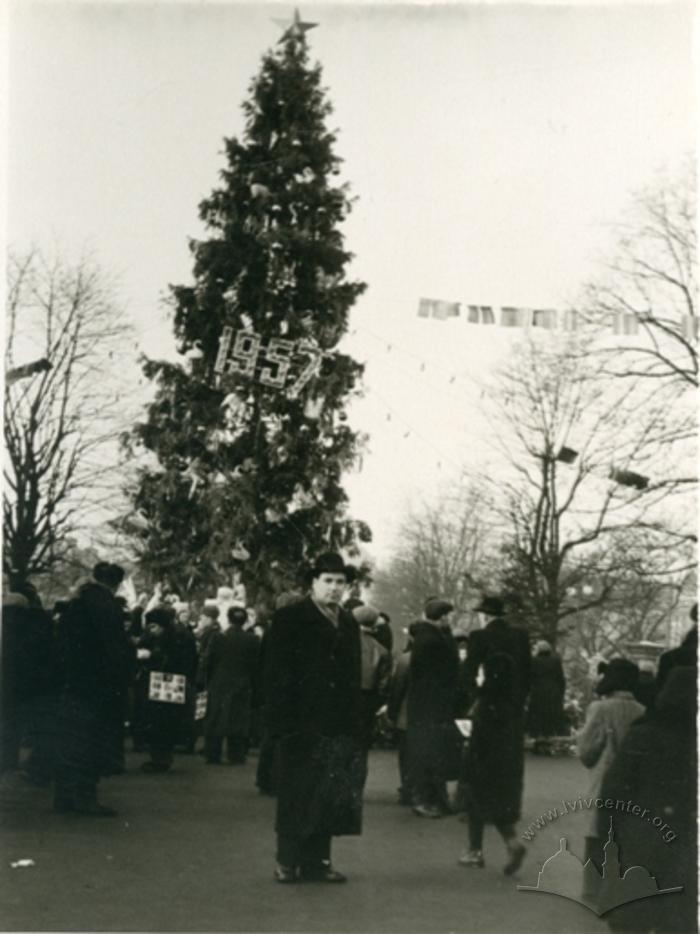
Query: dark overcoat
{"type": "Point", "coordinates": [496, 638]}
{"type": "Point", "coordinates": [170, 652]}
{"type": "Point", "coordinates": [433, 701]}
{"type": "Point", "coordinates": [545, 715]}
{"type": "Point", "coordinates": [231, 666]}
{"type": "Point", "coordinates": [95, 651]}
{"type": "Point", "coordinates": [312, 683]}
{"type": "Point", "coordinates": [656, 768]}
{"type": "Point", "coordinates": [494, 764]}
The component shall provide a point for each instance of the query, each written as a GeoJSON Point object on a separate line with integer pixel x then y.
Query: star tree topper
{"type": "Point", "coordinates": [297, 28]}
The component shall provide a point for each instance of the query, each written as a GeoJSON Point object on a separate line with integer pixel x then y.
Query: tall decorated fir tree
{"type": "Point", "coordinates": [250, 437]}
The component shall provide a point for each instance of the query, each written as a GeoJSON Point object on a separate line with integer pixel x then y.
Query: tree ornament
{"type": "Point", "coordinates": [313, 407]}
{"type": "Point", "coordinates": [139, 521]}
{"type": "Point", "coordinates": [296, 30]}
{"type": "Point", "coordinates": [240, 552]}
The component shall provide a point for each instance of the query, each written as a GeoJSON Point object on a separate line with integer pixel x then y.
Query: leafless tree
{"type": "Point", "coordinates": [442, 550]}
{"type": "Point", "coordinates": [649, 284]}
{"type": "Point", "coordinates": [585, 460]}
{"type": "Point", "coordinates": [61, 420]}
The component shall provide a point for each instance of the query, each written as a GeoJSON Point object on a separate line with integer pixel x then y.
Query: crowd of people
{"type": "Point", "coordinates": [311, 688]}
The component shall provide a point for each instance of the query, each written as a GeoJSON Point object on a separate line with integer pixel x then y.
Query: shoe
{"type": "Point", "coordinates": [284, 874]}
{"type": "Point", "coordinates": [95, 810]}
{"type": "Point", "coordinates": [323, 873]}
{"type": "Point", "coordinates": [516, 851]}
{"type": "Point", "coordinates": [427, 810]}
{"type": "Point", "coordinates": [472, 859]}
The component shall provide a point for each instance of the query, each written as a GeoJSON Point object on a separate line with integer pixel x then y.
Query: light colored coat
{"type": "Point", "coordinates": [607, 722]}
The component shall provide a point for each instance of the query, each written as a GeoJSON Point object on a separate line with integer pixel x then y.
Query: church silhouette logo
{"type": "Point", "coordinates": [564, 874]}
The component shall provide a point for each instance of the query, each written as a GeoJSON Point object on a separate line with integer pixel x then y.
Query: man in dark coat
{"type": "Point", "coordinates": [545, 714]}
{"type": "Point", "coordinates": [685, 654]}
{"type": "Point", "coordinates": [433, 742]}
{"type": "Point", "coordinates": [231, 666]}
{"type": "Point", "coordinates": [499, 636]}
{"type": "Point", "coordinates": [495, 765]}
{"type": "Point", "coordinates": [95, 662]}
{"type": "Point", "coordinates": [312, 707]}
{"type": "Point", "coordinates": [267, 770]}
{"type": "Point", "coordinates": [30, 682]}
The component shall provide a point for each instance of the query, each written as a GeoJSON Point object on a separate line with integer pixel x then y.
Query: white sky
{"type": "Point", "coordinates": [489, 146]}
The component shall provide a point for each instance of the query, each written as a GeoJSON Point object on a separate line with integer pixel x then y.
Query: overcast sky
{"type": "Point", "coordinates": [490, 147]}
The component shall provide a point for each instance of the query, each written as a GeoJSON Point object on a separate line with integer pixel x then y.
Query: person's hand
{"type": "Point", "coordinates": [143, 654]}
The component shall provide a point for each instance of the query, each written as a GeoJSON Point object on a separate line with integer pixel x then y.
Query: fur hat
{"type": "Point", "coordinates": [436, 609]}
{"type": "Point", "coordinates": [110, 574]}
{"type": "Point", "coordinates": [620, 675]}
{"type": "Point", "coordinates": [163, 615]}
{"type": "Point", "coordinates": [237, 615]}
{"type": "Point", "coordinates": [491, 606]}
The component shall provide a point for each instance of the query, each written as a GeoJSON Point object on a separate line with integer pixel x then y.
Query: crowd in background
{"type": "Point", "coordinates": [77, 684]}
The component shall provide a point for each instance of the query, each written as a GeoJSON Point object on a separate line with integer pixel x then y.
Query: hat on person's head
{"type": "Point", "coordinates": [163, 615]}
{"type": "Point", "coordinates": [109, 574]}
{"type": "Point", "coordinates": [365, 615]}
{"type": "Point", "coordinates": [211, 610]}
{"type": "Point", "coordinates": [491, 606]}
{"type": "Point", "coordinates": [237, 615]}
{"type": "Point", "coordinates": [542, 647]}
{"type": "Point", "coordinates": [330, 563]}
{"type": "Point", "coordinates": [436, 609]}
{"type": "Point", "coordinates": [620, 675]}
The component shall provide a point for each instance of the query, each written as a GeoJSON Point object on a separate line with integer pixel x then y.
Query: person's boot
{"type": "Point", "coordinates": [427, 810]}
{"type": "Point", "coordinates": [516, 855]}
{"type": "Point", "coordinates": [472, 859]}
{"type": "Point", "coordinates": [285, 874]}
{"type": "Point", "coordinates": [322, 872]}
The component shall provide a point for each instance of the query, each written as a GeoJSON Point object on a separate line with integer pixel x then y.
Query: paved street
{"type": "Point", "coordinates": [193, 851]}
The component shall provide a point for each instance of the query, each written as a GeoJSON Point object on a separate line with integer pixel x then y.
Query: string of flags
{"type": "Point", "coordinates": [510, 316]}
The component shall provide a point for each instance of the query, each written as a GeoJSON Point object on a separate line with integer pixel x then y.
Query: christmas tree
{"type": "Point", "coordinates": [250, 436]}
